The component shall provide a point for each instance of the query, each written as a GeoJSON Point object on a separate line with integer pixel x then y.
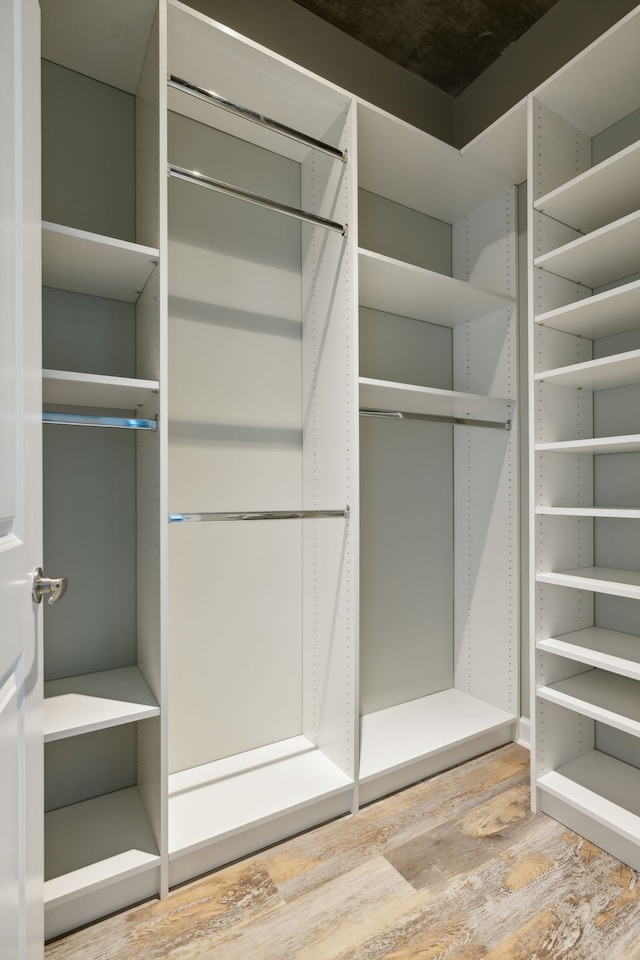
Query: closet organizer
{"type": "Point", "coordinates": [300, 311]}
{"type": "Point", "coordinates": [585, 385]}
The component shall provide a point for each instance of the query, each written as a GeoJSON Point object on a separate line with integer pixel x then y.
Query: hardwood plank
{"type": "Point", "coordinates": [332, 919]}
{"type": "Point", "coordinates": [305, 863]}
{"type": "Point", "coordinates": [462, 845]}
{"type": "Point", "coordinates": [191, 916]}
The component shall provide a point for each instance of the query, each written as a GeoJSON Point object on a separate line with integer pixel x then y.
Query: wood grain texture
{"type": "Point", "coordinates": [454, 868]}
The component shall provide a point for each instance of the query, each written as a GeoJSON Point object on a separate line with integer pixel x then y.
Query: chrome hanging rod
{"type": "Point", "coordinates": [258, 515]}
{"type": "Point", "coordinates": [192, 176]}
{"type": "Point", "coordinates": [434, 418]}
{"type": "Point", "coordinates": [89, 420]}
{"type": "Point", "coordinates": [209, 96]}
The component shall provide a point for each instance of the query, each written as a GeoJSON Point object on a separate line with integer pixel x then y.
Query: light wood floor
{"type": "Point", "coordinates": [455, 868]}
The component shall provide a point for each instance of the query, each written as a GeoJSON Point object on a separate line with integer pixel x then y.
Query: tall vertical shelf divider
{"type": "Point", "coordinates": [102, 350]}
{"type": "Point", "coordinates": [584, 137]}
{"type": "Point", "coordinates": [262, 400]}
{"type": "Point", "coordinates": [438, 364]}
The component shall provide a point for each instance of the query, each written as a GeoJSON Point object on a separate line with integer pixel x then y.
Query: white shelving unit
{"type": "Point", "coordinates": [263, 395]}
{"type": "Point", "coordinates": [105, 819]}
{"type": "Point", "coordinates": [437, 342]}
{"type": "Point", "coordinates": [584, 383]}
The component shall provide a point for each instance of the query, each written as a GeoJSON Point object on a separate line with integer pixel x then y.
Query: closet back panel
{"type": "Point", "coordinates": [235, 443]}
{"type": "Point", "coordinates": [402, 233]}
{"type": "Point", "coordinates": [406, 561]}
{"type": "Point", "coordinates": [79, 768]}
{"type": "Point", "coordinates": [88, 334]}
{"type": "Point", "coordinates": [88, 154]}
{"type": "Point", "coordinates": [89, 537]}
{"type": "Point", "coordinates": [404, 350]}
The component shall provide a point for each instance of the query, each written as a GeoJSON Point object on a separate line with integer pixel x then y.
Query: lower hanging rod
{"type": "Point", "coordinates": [91, 420]}
{"type": "Point", "coordinates": [209, 96]}
{"type": "Point", "coordinates": [258, 515]}
{"type": "Point", "coordinates": [435, 418]}
{"type": "Point", "coordinates": [192, 176]}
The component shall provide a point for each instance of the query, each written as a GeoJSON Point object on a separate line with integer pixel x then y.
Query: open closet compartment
{"type": "Point", "coordinates": [104, 819]}
{"type": "Point", "coordinates": [262, 470]}
{"type": "Point", "coordinates": [584, 129]}
{"type": "Point", "coordinates": [438, 461]}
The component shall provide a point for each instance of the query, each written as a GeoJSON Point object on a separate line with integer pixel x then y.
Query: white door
{"type": "Point", "coordinates": [21, 776]}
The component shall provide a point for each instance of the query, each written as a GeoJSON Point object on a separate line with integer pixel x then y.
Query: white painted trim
{"type": "Point", "coordinates": [523, 733]}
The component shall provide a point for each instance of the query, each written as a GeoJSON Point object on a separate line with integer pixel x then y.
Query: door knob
{"type": "Point", "coordinates": [56, 587]}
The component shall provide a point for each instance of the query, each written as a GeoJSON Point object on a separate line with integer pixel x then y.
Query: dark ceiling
{"type": "Point", "coordinates": [447, 42]}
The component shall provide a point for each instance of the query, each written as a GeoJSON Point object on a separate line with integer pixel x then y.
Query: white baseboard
{"type": "Point", "coordinates": [523, 733]}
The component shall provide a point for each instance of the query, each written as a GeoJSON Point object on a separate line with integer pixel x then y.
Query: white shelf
{"type": "Point", "coordinates": [598, 196]}
{"type": "Point", "coordinates": [627, 444]}
{"type": "Point", "coordinates": [618, 583]}
{"type": "Point", "coordinates": [221, 799]}
{"type": "Point", "coordinates": [388, 396]}
{"type": "Point", "coordinates": [600, 695]}
{"type": "Point", "coordinates": [601, 374]}
{"type": "Point", "coordinates": [601, 787]}
{"type": "Point", "coordinates": [94, 701]}
{"type": "Point", "coordinates": [399, 736]}
{"type": "Point", "coordinates": [607, 254]}
{"type": "Point", "coordinates": [410, 167]}
{"type": "Point", "coordinates": [106, 41]}
{"type": "Point", "coordinates": [409, 291]}
{"type": "Point", "coordinates": [598, 647]}
{"type": "Point", "coordinates": [610, 513]}
{"type": "Point", "coordinates": [92, 844]}
{"type": "Point", "coordinates": [613, 311]}
{"type": "Point", "coordinates": [89, 263]}
{"type": "Point", "coordinates": [93, 390]}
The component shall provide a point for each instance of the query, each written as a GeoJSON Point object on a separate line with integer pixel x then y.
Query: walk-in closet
{"type": "Point", "coordinates": [281, 437]}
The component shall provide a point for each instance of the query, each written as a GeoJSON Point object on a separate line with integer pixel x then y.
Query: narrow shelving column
{"type": "Point", "coordinates": [584, 139]}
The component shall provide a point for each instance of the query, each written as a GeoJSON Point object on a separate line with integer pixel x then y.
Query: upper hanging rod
{"type": "Point", "coordinates": [91, 420]}
{"type": "Point", "coordinates": [258, 515]}
{"type": "Point", "coordinates": [192, 176]}
{"type": "Point", "coordinates": [185, 86]}
{"type": "Point", "coordinates": [463, 421]}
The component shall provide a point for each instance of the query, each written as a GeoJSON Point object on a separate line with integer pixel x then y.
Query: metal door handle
{"type": "Point", "coordinates": [56, 587]}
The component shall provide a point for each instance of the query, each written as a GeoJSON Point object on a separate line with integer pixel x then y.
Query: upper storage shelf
{"type": "Point", "coordinates": [70, 388]}
{"type": "Point", "coordinates": [401, 288]}
{"type": "Point", "coordinates": [412, 168]}
{"type": "Point", "coordinates": [599, 86]}
{"type": "Point", "coordinates": [218, 60]}
{"type": "Point", "coordinates": [598, 196]}
{"type": "Point", "coordinates": [99, 266]}
{"type": "Point", "coordinates": [106, 41]}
